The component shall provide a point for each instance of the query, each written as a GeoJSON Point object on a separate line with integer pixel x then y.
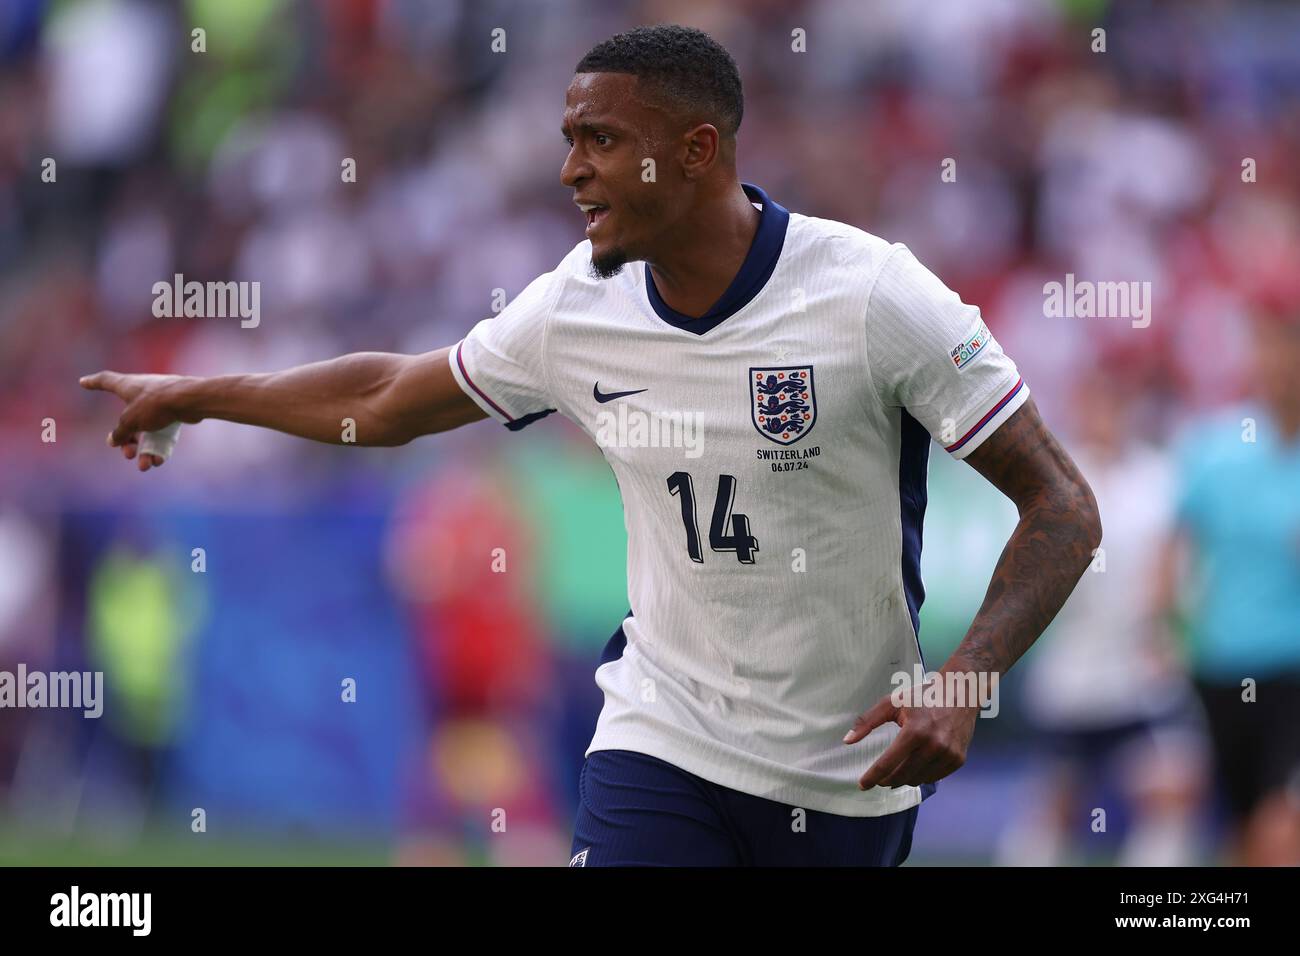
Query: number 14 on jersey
{"type": "Point", "coordinates": [740, 540]}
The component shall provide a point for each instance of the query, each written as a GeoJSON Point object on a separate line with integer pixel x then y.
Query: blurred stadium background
{"type": "Point", "coordinates": [474, 689]}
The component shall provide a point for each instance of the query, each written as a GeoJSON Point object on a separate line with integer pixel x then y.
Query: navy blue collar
{"type": "Point", "coordinates": [749, 281]}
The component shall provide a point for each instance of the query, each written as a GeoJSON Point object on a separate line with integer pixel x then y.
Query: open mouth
{"type": "Point", "coordinates": [595, 215]}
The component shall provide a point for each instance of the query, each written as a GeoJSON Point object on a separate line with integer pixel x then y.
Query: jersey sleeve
{"type": "Point", "coordinates": [931, 354]}
{"type": "Point", "coordinates": [501, 362]}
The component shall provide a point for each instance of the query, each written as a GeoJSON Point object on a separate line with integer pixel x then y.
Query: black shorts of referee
{"type": "Point", "coordinates": [1256, 742]}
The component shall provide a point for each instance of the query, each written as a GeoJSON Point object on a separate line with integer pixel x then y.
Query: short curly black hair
{"type": "Point", "coordinates": [684, 64]}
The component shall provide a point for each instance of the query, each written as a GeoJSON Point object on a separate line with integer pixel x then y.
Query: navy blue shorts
{"type": "Point", "coordinates": [638, 810]}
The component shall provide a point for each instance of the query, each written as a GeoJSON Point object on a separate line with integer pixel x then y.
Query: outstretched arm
{"type": "Point", "coordinates": [1048, 552]}
{"type": "Point", "coordinates": [391, 398]}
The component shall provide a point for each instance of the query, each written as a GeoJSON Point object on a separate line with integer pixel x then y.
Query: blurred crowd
{"type": "Point", "coordinates": [1139, 141]}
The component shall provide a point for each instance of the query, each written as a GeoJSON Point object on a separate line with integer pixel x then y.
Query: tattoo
{"type": "Point", "coordinates": [1049, 550]}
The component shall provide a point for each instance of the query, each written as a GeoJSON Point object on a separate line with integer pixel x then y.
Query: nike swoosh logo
{"type": "Point", "coordinates": [604, 397]}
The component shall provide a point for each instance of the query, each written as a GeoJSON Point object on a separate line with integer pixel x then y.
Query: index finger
{"type": "Point", "coordinates": [101, 381]}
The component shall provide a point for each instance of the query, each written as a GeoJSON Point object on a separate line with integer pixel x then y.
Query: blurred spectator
{"type": "Point", "coordinates": [1105, 687]}
{"type": "Point", "coordinates": [1238, 514]}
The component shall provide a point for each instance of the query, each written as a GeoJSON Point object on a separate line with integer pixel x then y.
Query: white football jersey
{"type": "Point", "coordinates": [772, 458]}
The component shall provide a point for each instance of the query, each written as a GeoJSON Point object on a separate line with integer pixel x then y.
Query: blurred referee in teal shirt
{"type": "Point", "coordinates": [1238, 519]}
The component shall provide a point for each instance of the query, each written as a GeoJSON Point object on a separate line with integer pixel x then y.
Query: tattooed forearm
{"type": "Point", "coordinates": [1049, 550]}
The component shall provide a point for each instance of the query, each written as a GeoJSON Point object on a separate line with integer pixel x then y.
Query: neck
{"type": "Point", "coordinates": [705, 251]}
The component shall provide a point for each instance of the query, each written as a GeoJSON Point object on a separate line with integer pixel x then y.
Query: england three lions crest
{"type": "Point", "coordinates": [783, 403]}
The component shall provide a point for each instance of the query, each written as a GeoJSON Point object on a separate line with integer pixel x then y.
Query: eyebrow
{"type": "Point", "coordinates": [588, 126]}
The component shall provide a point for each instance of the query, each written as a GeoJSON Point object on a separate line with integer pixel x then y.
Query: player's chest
{"type": "Point", "coordinates": [775, 400]}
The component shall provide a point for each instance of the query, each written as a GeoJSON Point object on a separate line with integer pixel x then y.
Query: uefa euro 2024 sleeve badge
{"type": "Point", "coordinates": [783, 402]}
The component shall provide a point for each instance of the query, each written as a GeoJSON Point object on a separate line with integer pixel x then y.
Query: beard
{"type": "Point", "coordinates": [609, 264]}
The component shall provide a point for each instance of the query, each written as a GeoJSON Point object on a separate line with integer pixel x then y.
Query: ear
{"type": "Point", "coordinates": [702, 150]}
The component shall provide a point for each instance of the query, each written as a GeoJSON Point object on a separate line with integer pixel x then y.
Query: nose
{"type": "Point", "coordinates": [575, 170]}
